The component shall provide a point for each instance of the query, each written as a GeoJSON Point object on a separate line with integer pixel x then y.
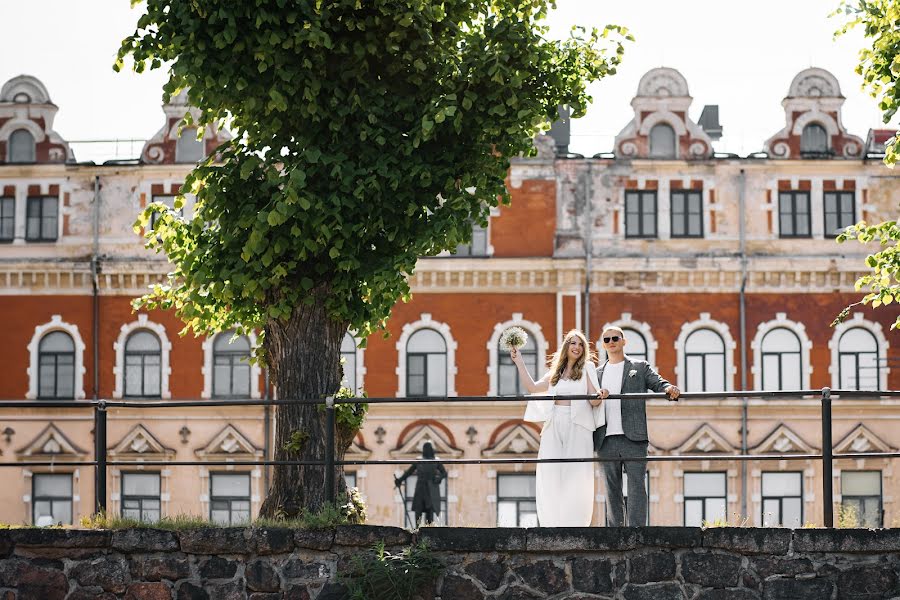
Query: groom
{"type": "Point", "coordinates": [623, 438]}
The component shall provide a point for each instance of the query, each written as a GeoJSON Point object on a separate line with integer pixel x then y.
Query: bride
{"type": "Point", "coordinates": [565, 490]}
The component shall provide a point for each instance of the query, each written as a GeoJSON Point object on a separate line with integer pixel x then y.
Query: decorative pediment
{"type": "Point", "coordinates": [26, 109]}
{"type": "Point", "coordinates": [50, 443]}
{"type": "Point", "coordinates": [783, 440]}
{"type": "Point", "coordinates": [140, 443]}
{"type": "Point", "coordinates": [357, 449]}
{"type": "Point", "coordinates": [229, 442]}
{"type": "Point", "coordinates": [705, 440]}
{"type": "Point", "coordinates": [163, 147]}
{"type": "Point", "coordinates": [513, 438]}
{"type": "Point", "coordinates": [416, 434]}
{"type": "Point", "coordinates": [862, 439]}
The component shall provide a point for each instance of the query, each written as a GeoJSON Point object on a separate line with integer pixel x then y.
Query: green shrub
{"type": "Point", "coordinates": [381, 575]}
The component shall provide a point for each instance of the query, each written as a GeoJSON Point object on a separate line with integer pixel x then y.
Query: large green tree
{"type": "Point", "coordinates": [880, 69]}
{"type": "Point", "coordinates": [368, 133]}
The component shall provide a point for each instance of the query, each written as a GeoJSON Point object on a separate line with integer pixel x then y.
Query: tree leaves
{"type": "Point", "coordinates": [884, 280]}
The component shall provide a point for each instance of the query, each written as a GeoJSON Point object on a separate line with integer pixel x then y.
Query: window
{"type": "Point", "coordinates": [508, 383]}
{"type": "Point", "coordinates": [625, 495]}
{"type": "Point", "coordinates": [793, 214]}
{"type": "Point", "coordinates": [662, 141]}
{"type": "Point", "coordinates": [348, 354]}
{"type": "Point", "coordinates": [782, 499]}
{"type": "Point", "coordinates": [409, 490]}
{"type": "Point", "coordinates": [426, 364]}
{"type": "Point", "coordinates": [704, 498]}
{"type": "Point", "coordinates": [478, 246]}
{"type": "Point", "coordinates": [41, 219]}
{"type": "Point", "coordinates": [687, 214]}
{"type": "Point", "coordinates": [52, 499]}
{"type": "Point", "coordinates": [813, 140]}
{"type": "Point", "coordinates": [861, 497]}
{"type": "Point", "coordinates": [231, 366]}
{"type": "Point", "coordinates": [229, 498]}
{"type": "Point", "coordinates": [704, 359]}
{"type": "Point", "coordinates": [350, 479]}
{"type": "Point", "coordinates": [21, 147]}
{"type": "Point", "coordinates": [56, 366]}
{"type": "Point", "coordinates": [143, 367]}
{"type": "Point", "coordinates": [781, 362]}
{"type": "Point", "coordinates": [168, 200]}
{"type": "Point", "coordinates": [140, 497]}
{"type": "Point", "coordinates": [640, 214]}
{"type": "Point", "coordinates": [7, 219]}
{"type": "Point", "coordinates": [858, 360]}
{"type": "Point", "coordinates": [188, 149]}
{"type": "Point", "coordinates": [516, 504]}
{"type": "Point", "coordinates": [840, 212]}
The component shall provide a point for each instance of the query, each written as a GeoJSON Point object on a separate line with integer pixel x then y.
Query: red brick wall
{"type": "Point", "coordinates": [528, 225]}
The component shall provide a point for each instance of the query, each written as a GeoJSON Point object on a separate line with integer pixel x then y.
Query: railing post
{"type": "Point", "coordinates": [100, 455]}
{"type": "Point", "coordinates": [329, 449]}
{"type": "Point", "coordinates": [827, 459]}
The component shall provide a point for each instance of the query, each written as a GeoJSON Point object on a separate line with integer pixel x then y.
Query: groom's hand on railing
{"type": "Point", "coordinates": [672, 392]}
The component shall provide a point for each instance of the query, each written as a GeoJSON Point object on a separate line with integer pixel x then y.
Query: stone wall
{"type": "Point", "coordinates": [653, 563]}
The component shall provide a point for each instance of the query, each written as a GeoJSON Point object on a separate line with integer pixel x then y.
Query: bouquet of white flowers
{"type": "Point", "coordinates": [513, 337]}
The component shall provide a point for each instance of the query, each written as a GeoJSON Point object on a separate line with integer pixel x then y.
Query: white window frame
{"type": "Point", "coordinates": [799, 329]}
{"type": "Point", "coordinates": [627, 322]}
{"type": "Point", "coordinates": [706, 322]}
{"type": "Point", "coordinates": [540, 344]}
{"type": "Point", "coordinates": [207, 370]}
{"type": "Point", "coordinates": [165, 346]}
{"type": "Point", "coordinates": [360, 364]}
{"type": "Point", "coordinates": [858, 320]}
{"type": "Point", "coordinates": [425, 322]}
{"type": "Point", "coordinates": [56, 324]}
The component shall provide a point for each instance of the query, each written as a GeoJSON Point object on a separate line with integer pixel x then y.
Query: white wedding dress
{"type": "Point", "coordinates": [565, 491]}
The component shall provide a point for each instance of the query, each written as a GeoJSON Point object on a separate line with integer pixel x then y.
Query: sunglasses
{"type": "Point", "coordinates": [614, 338]}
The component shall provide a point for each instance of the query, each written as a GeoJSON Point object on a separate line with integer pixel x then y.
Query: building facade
{"type": "Point", "coordinates": [722, 270]}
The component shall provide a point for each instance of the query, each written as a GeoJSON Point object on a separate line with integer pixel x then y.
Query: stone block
{"type": "Point", "coordinates": [545, 576]}
{"type": "Point", "coordinates": [653, 591]}
{"type": "Point", "coordinates": [231, 590]}
{"type": "Point", "coordinates": [110, 574]}
{"type": "Point", "coordinates": [869, 582]}
{"type": "Point", "coordinates": [295, 568]}
{"type": "Point", "coordinates": [367, 535]}
{"type": "Point", "coordinates": [847, 540]}
{"type": "Point", "coordinates": [92, 593]}
{"type": "Point", "coordinates": [266, 596]}
{"type": "Point", "coordinates": [227, 540]}
{"type": "Point", "coordinates": [144, 540]}
{"type": "Point", "coordinates": [148, 591]}
{"type": "Point", "coordinates": [273, 540]}
{"type": "Point", "coordinates": [730, 594]}
{"type": "Point", "coordinates": [668, 537]}
{"type": "Point", "coordinates": [797, 589]}
{"type": "Point", "coordinates": [519, 593]}
{"type": "Point", "coordinates": [711, 569]}
{"type": "Point", "coordinates": [488, 572]}
{"type": "Point", "coordinates": [190, 591]}
{"type": "Point", "coordinates": [216, 567]}
{"type": "Point", "coordinates": [592, 575]}
{"type": "Point", "coordinates": [766, 566]}
{"type": "Point", "coordinates": [60, 538]}
{"type": "Point", "coordinates": [619, 539]}
{"type": "Point", "coordinates": [651, 567]}
{"type": "Point", "coordinates": [455, 587]}
{"type": "Point", "coordinates": [748, 540]}
{"type": "Point", "coordinates": [459, 539]}
{"type": "Point", "coordinates": [32, 580]}
{"type": "Point", "coordinates": [297, 592]}
{"type": "Point", "coordinates": [261, 576]}
{"type": "Point", "coordinates": [314, 539]}
{"type": "Point", "coordinates": [157, 568]}
{"type": "Point", "coordinates": [332, 591]}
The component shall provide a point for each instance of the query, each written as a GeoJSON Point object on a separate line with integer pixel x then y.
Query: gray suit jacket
{"type": "Point", "coordinates": [634, 412]}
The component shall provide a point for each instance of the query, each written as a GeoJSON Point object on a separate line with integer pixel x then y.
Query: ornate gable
{"type": "Point", "coordinates": [513, 439]}
{"type": "Point", "coordinates": [862, 439]}
{"type": "Point", "coordinates": [783, 440]}
{"type": "Point", "coordinates": [416, 434]}
{"type": "Point", "coordinates": [814, 98]}
{"type": "Point", "coordinates": [25, 106]}
{"type": "Point", "coordinates": [140, 443]}
{"type": "Point", "coordinates": [163, 148]}
{"type": "Point", "coordinates": [705, 440]}
{"type": "Point", "coordinates": [229, 443]}
{"type": "Point", "coordinates": [50, 443]}
{"type": "Point", "coordinates": [663, 99]}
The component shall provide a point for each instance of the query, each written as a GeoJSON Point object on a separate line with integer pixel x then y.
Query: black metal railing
{"type": "Point", "coordinates": [102, 463]}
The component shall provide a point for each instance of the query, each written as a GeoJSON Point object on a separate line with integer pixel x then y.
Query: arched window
{"type": "Point", "coordinates": [508, 383]}
{"type": "Point", "coordinates": [188, 149]}
{"type": "Point", "coordinates": [858, 360]}
{"type": "Point", "coordinates": [781, 360]}
{"type": "Point", "coordinates": [21, 147]}
{"type": "Point", "coordinates": [348, 354]}
{"type": "Point", "coordinates": [231, 366]}
{"type": "Point", "coordinates": [143, 365]}
{"type": "Point", "coordinates": [704, 354]}
{"type": "Point", "coordinates": [426, 364]}
{"type": "Point", "coordinates": [814, 139]}
{"type": "Point", "coordinates": [56, 366]}
{"type": "Point", "coordinates": [662, 141]}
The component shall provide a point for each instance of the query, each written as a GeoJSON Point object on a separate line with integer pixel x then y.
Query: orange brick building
{"type": "Point", "coordinates": [722, 270]}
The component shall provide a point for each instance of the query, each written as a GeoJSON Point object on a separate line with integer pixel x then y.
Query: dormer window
{"type": "Point", "coordinates": [188, 149]}
{"type": "Point", "coordinates": [814, 140]}
{"type": "Point", "coordinates": [662, 141]}
{"type": "Point", "coordinates": [21, 147]}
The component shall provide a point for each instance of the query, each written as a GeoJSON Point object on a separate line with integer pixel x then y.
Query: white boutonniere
{"type": "Point", "coordinates": [632, 372]}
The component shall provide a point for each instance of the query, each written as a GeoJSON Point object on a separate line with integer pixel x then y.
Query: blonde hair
{"type": "Point", "coordinates": [560, 358]}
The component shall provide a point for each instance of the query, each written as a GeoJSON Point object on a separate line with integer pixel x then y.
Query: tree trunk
{"type": "Point", "coordinates": [303, 354]}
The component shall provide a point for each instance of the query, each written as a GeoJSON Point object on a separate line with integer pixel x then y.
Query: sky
{"type": "Point", "coordinates": [741, 56]}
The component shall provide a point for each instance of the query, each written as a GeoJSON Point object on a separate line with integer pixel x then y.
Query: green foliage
{"type": "Point", "coordinates": [349, 416]}
{"type": "Point", "coordinates": [884, 280]}
{"type": "Point", "coordinates": [847, 517]}
{"type": "Point", "coordinates": [386, 576]}
{"type": "Point", "coordinates": [296, 441]}
{"type": "Point", "coordinates": [367, 134]}
{"type": "Point", "coordinates": [879, 64]}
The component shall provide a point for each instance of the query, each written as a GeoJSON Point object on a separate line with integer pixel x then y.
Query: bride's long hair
{"type": "Point", "coordinates": [559, 359]}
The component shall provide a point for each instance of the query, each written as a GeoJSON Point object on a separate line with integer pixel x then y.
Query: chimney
{"type": "Point", "coordinates": [560, 131]}
{"type": "Point", "coordinates": [709, 121]}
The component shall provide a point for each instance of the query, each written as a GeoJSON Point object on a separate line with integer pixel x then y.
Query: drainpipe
{"type": "Point", "coordinates": [95, 291]}
{"type": "Point", "coordinates": [267, 432]}
{"type": "Point", "coordinates": [742, 182]}
{"type": "Point", "coordinates": [588, 247]}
